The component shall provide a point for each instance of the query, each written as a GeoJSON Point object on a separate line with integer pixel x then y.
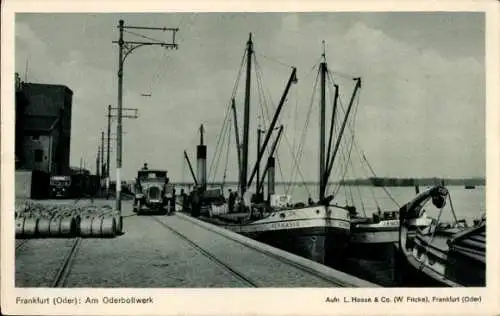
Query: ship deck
{"type": "Point", "coordinates": [438, 241]}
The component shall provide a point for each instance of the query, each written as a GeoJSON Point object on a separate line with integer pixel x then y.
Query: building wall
{"type": "Point", "coordinates": [66, 121]}
{"type": "Point", "coordinates": [40, 153]}
{"type": "Point", "coordinates": [53, 100]}
{"type": "Point", "coordinates": [19, 125]}
{"type": "Point", "coordinates": [56, 167]}
{"type": "Point", "coordinates": [21, 104]}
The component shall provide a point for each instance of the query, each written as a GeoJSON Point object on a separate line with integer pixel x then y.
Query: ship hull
{"type": "Point", "coordinates": [325, 245]}
{"type": "Point", "coordinates": [380, 251]}
{"type": "Point", "coordinates": [411, 274]}
{"type": "Point", "coordinates": [374, 241]}
{"type": "Point", "coordinates": [317, 233]}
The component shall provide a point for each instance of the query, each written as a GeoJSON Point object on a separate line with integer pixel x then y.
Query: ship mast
{"type": "Point", "coordinates": [322, 178]}
{"type": "Point", "coordinates": [326, 165]}
{"type": "Point", "coordinates": [237, 134]}
{"type": "Point", "coordinates": [246, 120]}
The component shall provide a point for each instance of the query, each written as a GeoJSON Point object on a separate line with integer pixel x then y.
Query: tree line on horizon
{"type": "Point", "coordinates": [380, 181]}
{"type": "Point", "coordinates": [402, 182]}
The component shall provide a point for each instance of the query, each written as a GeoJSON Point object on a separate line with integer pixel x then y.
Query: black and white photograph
{"type": "Point", "coordinates": [249, 149]}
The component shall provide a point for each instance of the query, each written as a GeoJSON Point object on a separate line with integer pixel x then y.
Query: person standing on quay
{"type": "Point", "coordinates": [231, 200]}
{"type": "Point", "coordinates": [172, 203]}
{"type": "Point", "coordinates": [184, 200]}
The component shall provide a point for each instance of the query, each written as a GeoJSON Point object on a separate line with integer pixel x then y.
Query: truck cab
{"type": "Point", "coordinates": [151, 190]}
{"type": "Point", "coordinates": [60, 186]}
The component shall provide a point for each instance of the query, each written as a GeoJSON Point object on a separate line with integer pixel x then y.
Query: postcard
{"type": "Point", "coordinates": [271, 158]}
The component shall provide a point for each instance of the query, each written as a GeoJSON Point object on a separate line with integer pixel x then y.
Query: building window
{"type": "Point", "coordinates": [38, 155]}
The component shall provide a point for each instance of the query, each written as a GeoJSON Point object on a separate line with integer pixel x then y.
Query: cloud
{"type": "Point", "coordinates": [90, 87]}
{"type": "Point", "coordinates": [417, 106]}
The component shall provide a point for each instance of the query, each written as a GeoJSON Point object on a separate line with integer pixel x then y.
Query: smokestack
{"type": "Point", "coordinates": [270, 177]}
{"type": "Point", "coordinates": [201, 157]}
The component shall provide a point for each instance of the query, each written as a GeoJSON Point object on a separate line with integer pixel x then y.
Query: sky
{"type": "Point", "coordinates": [420, 111]}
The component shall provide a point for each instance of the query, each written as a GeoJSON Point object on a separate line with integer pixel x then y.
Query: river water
{"type": "Point", "coordinates": [468, 204]}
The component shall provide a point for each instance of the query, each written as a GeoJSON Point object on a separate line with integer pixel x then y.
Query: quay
{"type": "Point", "coordinates": [175, 251]}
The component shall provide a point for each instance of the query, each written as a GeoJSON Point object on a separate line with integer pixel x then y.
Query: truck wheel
{"type": "Point", "coordinates": [138, 207]}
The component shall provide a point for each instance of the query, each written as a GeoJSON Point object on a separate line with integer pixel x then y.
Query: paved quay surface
{"type": "Point", "coordinates": [169, 252]}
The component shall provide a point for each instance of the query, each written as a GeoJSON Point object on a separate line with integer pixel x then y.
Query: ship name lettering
{"type": "Point", "coordinates": [285, 225]}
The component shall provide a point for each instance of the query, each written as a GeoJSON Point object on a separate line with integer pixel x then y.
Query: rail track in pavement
{"type": "Point", "coordinates": [20, 243]}
{"type": "Point", "coordinates": [49, 263]}
{"type": "Point", "coordinates": [65, 267]}
{"type": "Point", "coordinates": [240, 276]}
{"type": "Point", "coordinates": [324, 280]}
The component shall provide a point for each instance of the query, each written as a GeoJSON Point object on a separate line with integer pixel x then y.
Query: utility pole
{"type": "Point", "coordinates": [103, 167]}
{"type": "Point", "coordinates": [97, 160]}
{"type": "Point", "coordinates": [126, 48]}
{"type": "Point", "coordinates": [107, 152]}
{"type": "Point", "coordinates": [108, 139]}
{"type": "Point", "coordinates": [103, 172]}
{"type": "Point", "coordinates": [119, 123]}
{"type": "Point", "coordinates": [107, 148]}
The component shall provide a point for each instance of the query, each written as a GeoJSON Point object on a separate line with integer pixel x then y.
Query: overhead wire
{"type": "Point", "coordinates": [156, 78]}
{"type": "Point", "coordinates": [294, 162]}
{"type": "Point", "coordinates": [351, 127]}
{"type": "Point", "coordinates": [302, 141]}
{"type": "Point", "coordinates": [266, 114]}
{"type": "Point", "coordinates": [350, 147]}
{"type": "Point", "coordinates": [228, 109]}
{"type": "Point", "coordinates": [341, 107]}
{"type": "Point", "coordinates": [154, 40]}
{"type": "Point", "coordinates": [219, 150]}
{"type": "Point", "coordinates": [227, 154]}
{"type": "Point", "coordinates": [275, 60]}
{"type": "Point", "coordinates": [188, 26]}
